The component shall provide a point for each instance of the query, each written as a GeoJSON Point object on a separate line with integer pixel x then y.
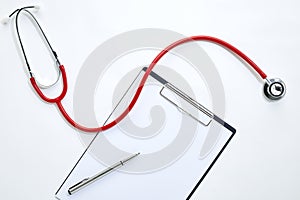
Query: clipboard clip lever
{"type": "Point", "coordinates": [192, 104]}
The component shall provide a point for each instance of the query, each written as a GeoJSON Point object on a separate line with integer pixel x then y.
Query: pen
{"type": "Point", "coordinates": [85, 182]}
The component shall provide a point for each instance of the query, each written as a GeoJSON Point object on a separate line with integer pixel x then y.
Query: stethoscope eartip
{"type": "Point", "coordinates": [274, 89]}
{"type": "Point", "coordinates": [36, 8]}
{"type": "Point", "coordinates": [5, 20]}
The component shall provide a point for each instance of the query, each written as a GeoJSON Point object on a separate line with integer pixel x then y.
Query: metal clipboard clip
{"type": "Point", "coordinates": [191, 102]}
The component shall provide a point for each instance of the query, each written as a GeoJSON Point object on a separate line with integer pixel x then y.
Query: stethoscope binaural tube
{"type": "Point", "coordinates": [274, 89]}
{"type": "Point", "coordinates": [17, 12]}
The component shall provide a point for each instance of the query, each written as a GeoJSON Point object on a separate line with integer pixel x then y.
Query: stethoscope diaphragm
{"type": "Point", "coordinates": [274, 89]}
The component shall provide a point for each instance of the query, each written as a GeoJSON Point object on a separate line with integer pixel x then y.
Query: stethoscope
{"type": "Point", "coordinates": [274, 89]}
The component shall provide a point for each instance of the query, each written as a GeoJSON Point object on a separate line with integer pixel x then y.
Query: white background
{"type": "Point", "coordinates": [37, 147]}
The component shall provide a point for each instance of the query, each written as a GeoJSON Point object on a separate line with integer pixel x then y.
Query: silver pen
{"type": "Point", "coordinates": [89, 180]}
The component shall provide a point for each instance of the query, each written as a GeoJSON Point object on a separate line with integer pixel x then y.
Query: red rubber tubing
{"type": "Point", "coordinates": [142, 83]}
{"type": "Point", "coordinates": [63, 93]}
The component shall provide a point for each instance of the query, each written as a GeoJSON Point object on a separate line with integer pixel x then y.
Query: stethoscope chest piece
{"type": "Point", "coordinates": [274, 89]}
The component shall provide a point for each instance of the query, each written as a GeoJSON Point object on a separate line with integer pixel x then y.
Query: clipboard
{"type": "Point", "coordinates": [173, 170]}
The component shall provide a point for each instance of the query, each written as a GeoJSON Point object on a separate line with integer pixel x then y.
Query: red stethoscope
{"type": "Point", "coordinates": [274, 89]}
